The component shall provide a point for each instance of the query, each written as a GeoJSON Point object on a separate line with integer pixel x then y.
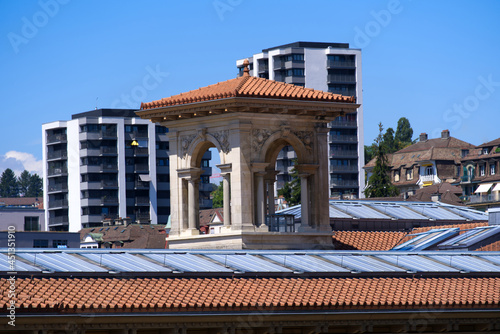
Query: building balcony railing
{"type": "Point", "coordinates": [141, 167]}
{"type": "Point", "coordinates": [344, 183]}
{"type": "Point", "coordinates": [60, 220]}
{"type": "Point", "coordinates": [345, 153]}
{"type": "Point", "coordinates": [278, 64]}
{"type": "Point", "coordinates": [344, 138]}
{"type": "Point", "coordinates": [57, 171]}
{"type": "Point", "coordinates": [58, 187]}
{"type": "Point", "coordinates": [341, 78]}
{"type": "Point", "coordinates": [61, 203]}
{"type": "Point", "coordinates": [427, 178]}
{"type": "Point", "coordinates": [490, 198]}
{"type": "Point", "coordinates": [340, 64]}
{"type": "Point", "coordinates": [109, 184]}
{"type": "Point", "coordinates": [56, 138]}
{"type": "Point", "coordinates": [57, 155]}
{"type": "Point", "coordinates": [141, 185]}
{"type": "Point", "coordinates": [339, 168]}
{"type": "Point", "coordinates": [109, 199]}
{"type": "Point", "coordinates": [142, 216]}
{"type": "Point", "coordinates": [109, 150]}
{"type": "Point", "coordinates": [343, 124]}
{"type": "Point", "coordinates": [343, 92]}
{"type": "Point", "coordinates": [142, 200]}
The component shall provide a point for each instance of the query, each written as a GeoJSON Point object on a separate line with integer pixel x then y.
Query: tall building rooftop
{"type": "Point", "coordinates": [316, 45]}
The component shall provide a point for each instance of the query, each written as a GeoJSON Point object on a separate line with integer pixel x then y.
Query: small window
{"type": "Point", "coordinates": [31, 224]}
{"type": "Point", "coordinates": [396, 175]}
{"type": "Point", "coordinates": [38, 243]}
{"type": "Point", "coordinates": [429, 170]}
{"type": "Point", "coordinates": [59, 243]}
{"type": "Point", "coordinates": [492, 169]}
{"type": "Point", "coordinates": [409, 174]}
{"type": "Point", "coordinates": [482, 170]}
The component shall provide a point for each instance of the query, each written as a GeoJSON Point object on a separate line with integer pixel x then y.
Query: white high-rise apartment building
{"type": "Point", "coordinates": [330, 67]}
{"type": "Point", "coordinates": [108, 164]}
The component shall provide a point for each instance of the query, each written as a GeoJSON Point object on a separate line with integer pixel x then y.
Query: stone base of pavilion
{"type": "Point", "coordinates": [254, 240]}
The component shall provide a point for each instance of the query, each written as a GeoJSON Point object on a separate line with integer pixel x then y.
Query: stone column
{"type": "Point", "coordinates": [226, 187]}
{"type": "Point", "coordinates": [259, 200]}
{"type": "Point", "coordinates": [304, 201]}
{"type": "Point", "coordinates": [192, 207]}
{"type": "Point", "coordinates": [270, 180]}
{"type": "Point", "coordinates": [227, 199]}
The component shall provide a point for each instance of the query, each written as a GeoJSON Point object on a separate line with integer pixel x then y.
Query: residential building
{"type": "Point", "coordinates": [480, 176]}
{"type": "Point", "coordinates": [107, 164]}
{"type": "Point", "coordinates": [329, 67]}
{"type": "Point", "coordinates": [40, 239]}
{"type": "Point", "coordinates": [425, 163]}
{"type": "Point", "coordinates": [22, 214]}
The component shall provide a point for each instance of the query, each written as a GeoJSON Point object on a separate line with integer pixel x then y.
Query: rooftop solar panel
{"type": "Point", "coordinates": [363, 263]}
{"type": "Point", "coordinates": [436, 212]}
{"type": "Point", "coordinates": [397, 211]}
{"type": "Point", "coordinates": [247, 263]}
{"type": "Point", "coordinates": [306, 263]}
{"type": "Point", "coordinates": [18, 265]}
{"type": "Point", "coordinates": [61, 262]}
{"type": "Point", "coordinates": [417, 263]}
{"type": "Point", "coordinates": [467, 263]}
{"type": "Point", "coordinates": [471, 237]}
{"type": "Point", "coordinates": [427, 239]}
{"type": "Point", "coordinates": [188, 262]}
{"type": "Point", "coordinates": [468, 213]}
{"type": "Point", "coordinates": [125, 262]}
{"type": "Point", "coordinates": [359, 210]}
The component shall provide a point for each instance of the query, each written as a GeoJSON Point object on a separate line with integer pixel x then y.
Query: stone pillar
{"type": "Point", "coordinates": [226, 186]}
{"type": "Point", "coordinates": [192, 206]}
{"type": "Point", "coordinates": [305, 217]}
{"type": "Point", "coordinates": [270, 180]}
{"type": "Point", "coordinates": [227, 199]}
{"type": "Point", "coordinates": [259, 200]}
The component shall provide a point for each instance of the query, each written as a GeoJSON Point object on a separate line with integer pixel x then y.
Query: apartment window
{"type": "Point", "coordinates": [162, 162]}
{"type": "Point", "coordinates": [465, 153]}
{"type": "Point", "coordinates": [492, 169]}
{"type": "Point", "coordinates": [205, 163]}
{"type": "Point", "coordinates": [59, 243]}
{"type": "Point", "coordinates": [482, 170]}
{"type": "Point", "coordinates": [409, 174]}
{"type": "Point", "coordinates": [40, 243]}
{"type": "Point", "coordinates": [161, 129]}
{"type": "Point", "coordinates": [396, 175]}
{"type": "Point", "coordinates": [429, 170]}
{"type": "Point", "coordinates": [205, 179]}
{"type": "Point", "coordinates": [31, 224]}
{"type": "Point", "coordinates": [297, 72]}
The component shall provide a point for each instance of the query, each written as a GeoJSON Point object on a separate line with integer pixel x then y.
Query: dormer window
{"type": "Point", "coordinates": [485, 151]}
{"type": "Point", "coordinates": [482, 170]}
{"type": "Point", "coordinates": [492, 169]}
{"type": "Point", "coordinates": [396, 176]}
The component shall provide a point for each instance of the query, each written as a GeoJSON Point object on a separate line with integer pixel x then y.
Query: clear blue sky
{"type": "Point", "coordinates": [434, 62]}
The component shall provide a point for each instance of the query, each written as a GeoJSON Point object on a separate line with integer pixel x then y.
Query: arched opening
{"type": "Point", "coordinates": [295, 189]}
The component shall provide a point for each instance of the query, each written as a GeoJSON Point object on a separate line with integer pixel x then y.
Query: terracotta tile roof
{"type": "Point", "coordinates": [22, 201]}
{"type": "Point", "coordinates": [248, 86]}
{"type": "Point", "coordinates": [366, 240]}
{"type": "Point", "coordinates": [206, 216]}
{"type": "Point", "coordinates": [104, 295]}
{"type": "Point", "coordinates": [493, 247]}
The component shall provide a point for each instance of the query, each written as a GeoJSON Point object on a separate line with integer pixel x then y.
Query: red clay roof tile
{"type": "Point", "coordinates": [247, 86]}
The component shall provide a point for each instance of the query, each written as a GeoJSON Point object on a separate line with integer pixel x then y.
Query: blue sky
{"type": "Point", "coordinates": [434, 62]}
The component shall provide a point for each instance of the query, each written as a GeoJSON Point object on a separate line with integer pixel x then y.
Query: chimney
{"type": "Point", "coordinates": [445, 134]}
{"type": "Point", "coordinates": [423, 136]}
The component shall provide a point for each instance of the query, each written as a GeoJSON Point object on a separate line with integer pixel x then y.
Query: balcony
{"type": "Point", "coordinates": [346, 153]}
{"type": "Point", "coordinates": [142, 216]}
{"type": "Point", "coordinates": [344, 138]}
{"type": "Point", "coordinates": [343, 92]}
{"type": "Point", "coordinates": [58, 187]}
{"type": "Point", "coordinates": [344, 183]}
{"type": "Point", "coordinates": [490, 198]}
{"type": "Point", "coordinates": [141, 168]}
{"type": "Point", "coordinates": [205, 203]}
{"type": "Point", "coordinates": [281, 65]}
{"type": "Point", "coordinates": [99, 135]}
{"type": "Point", "coordinates": [427, 178]}
{"type": "Point", "coordinates": [335, 78]}
{"type": "Point", "coordinates": [59, 138]}
{"type": "Point", "coordinates": [263, 67]}
{"type": "Point", "coordinates": [56, 204]}
{"type": "Point", "coordinates": [109, 150]}
{"type": "Point", "coordinates": [56, 155]}
{"type": "Point", "coordinates": [343, 124]}
{"type": "Point", "coordinates": [142, 201]}
{"type": "Point", "coordinates": [57, 171]}
{"type": "Point", "coordinates": [340, 64]}
{"type": "Point", "coordinates": [141, 185]}
{"type": "Point", "coordinates": [58, 221]}
{"type": "Point", "coordinates": [337, 168]}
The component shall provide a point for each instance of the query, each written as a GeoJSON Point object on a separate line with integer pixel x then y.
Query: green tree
{"type": "Point", "coordinates": [218, 196]}
{"type": "Point", "coordinates": [23, 183]}
{"type": "Point", "coordinates": [404, 133]}
{"type": "Point", "coordinates": [35, 188]}
{"type": "Point", "coordinates": [291, 190]}
{"type": "Point", "coordinates": [379, 184]}
{"type": "Point", "coordinates": [369, 152]}
{"type": "Point", "coordinates": [389, 142]}
{"type": "Point", "coordinates": [8, 184]}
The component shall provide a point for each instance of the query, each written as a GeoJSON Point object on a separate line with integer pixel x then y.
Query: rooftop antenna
{"type": "Point", "coordinates": [96, 102]}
